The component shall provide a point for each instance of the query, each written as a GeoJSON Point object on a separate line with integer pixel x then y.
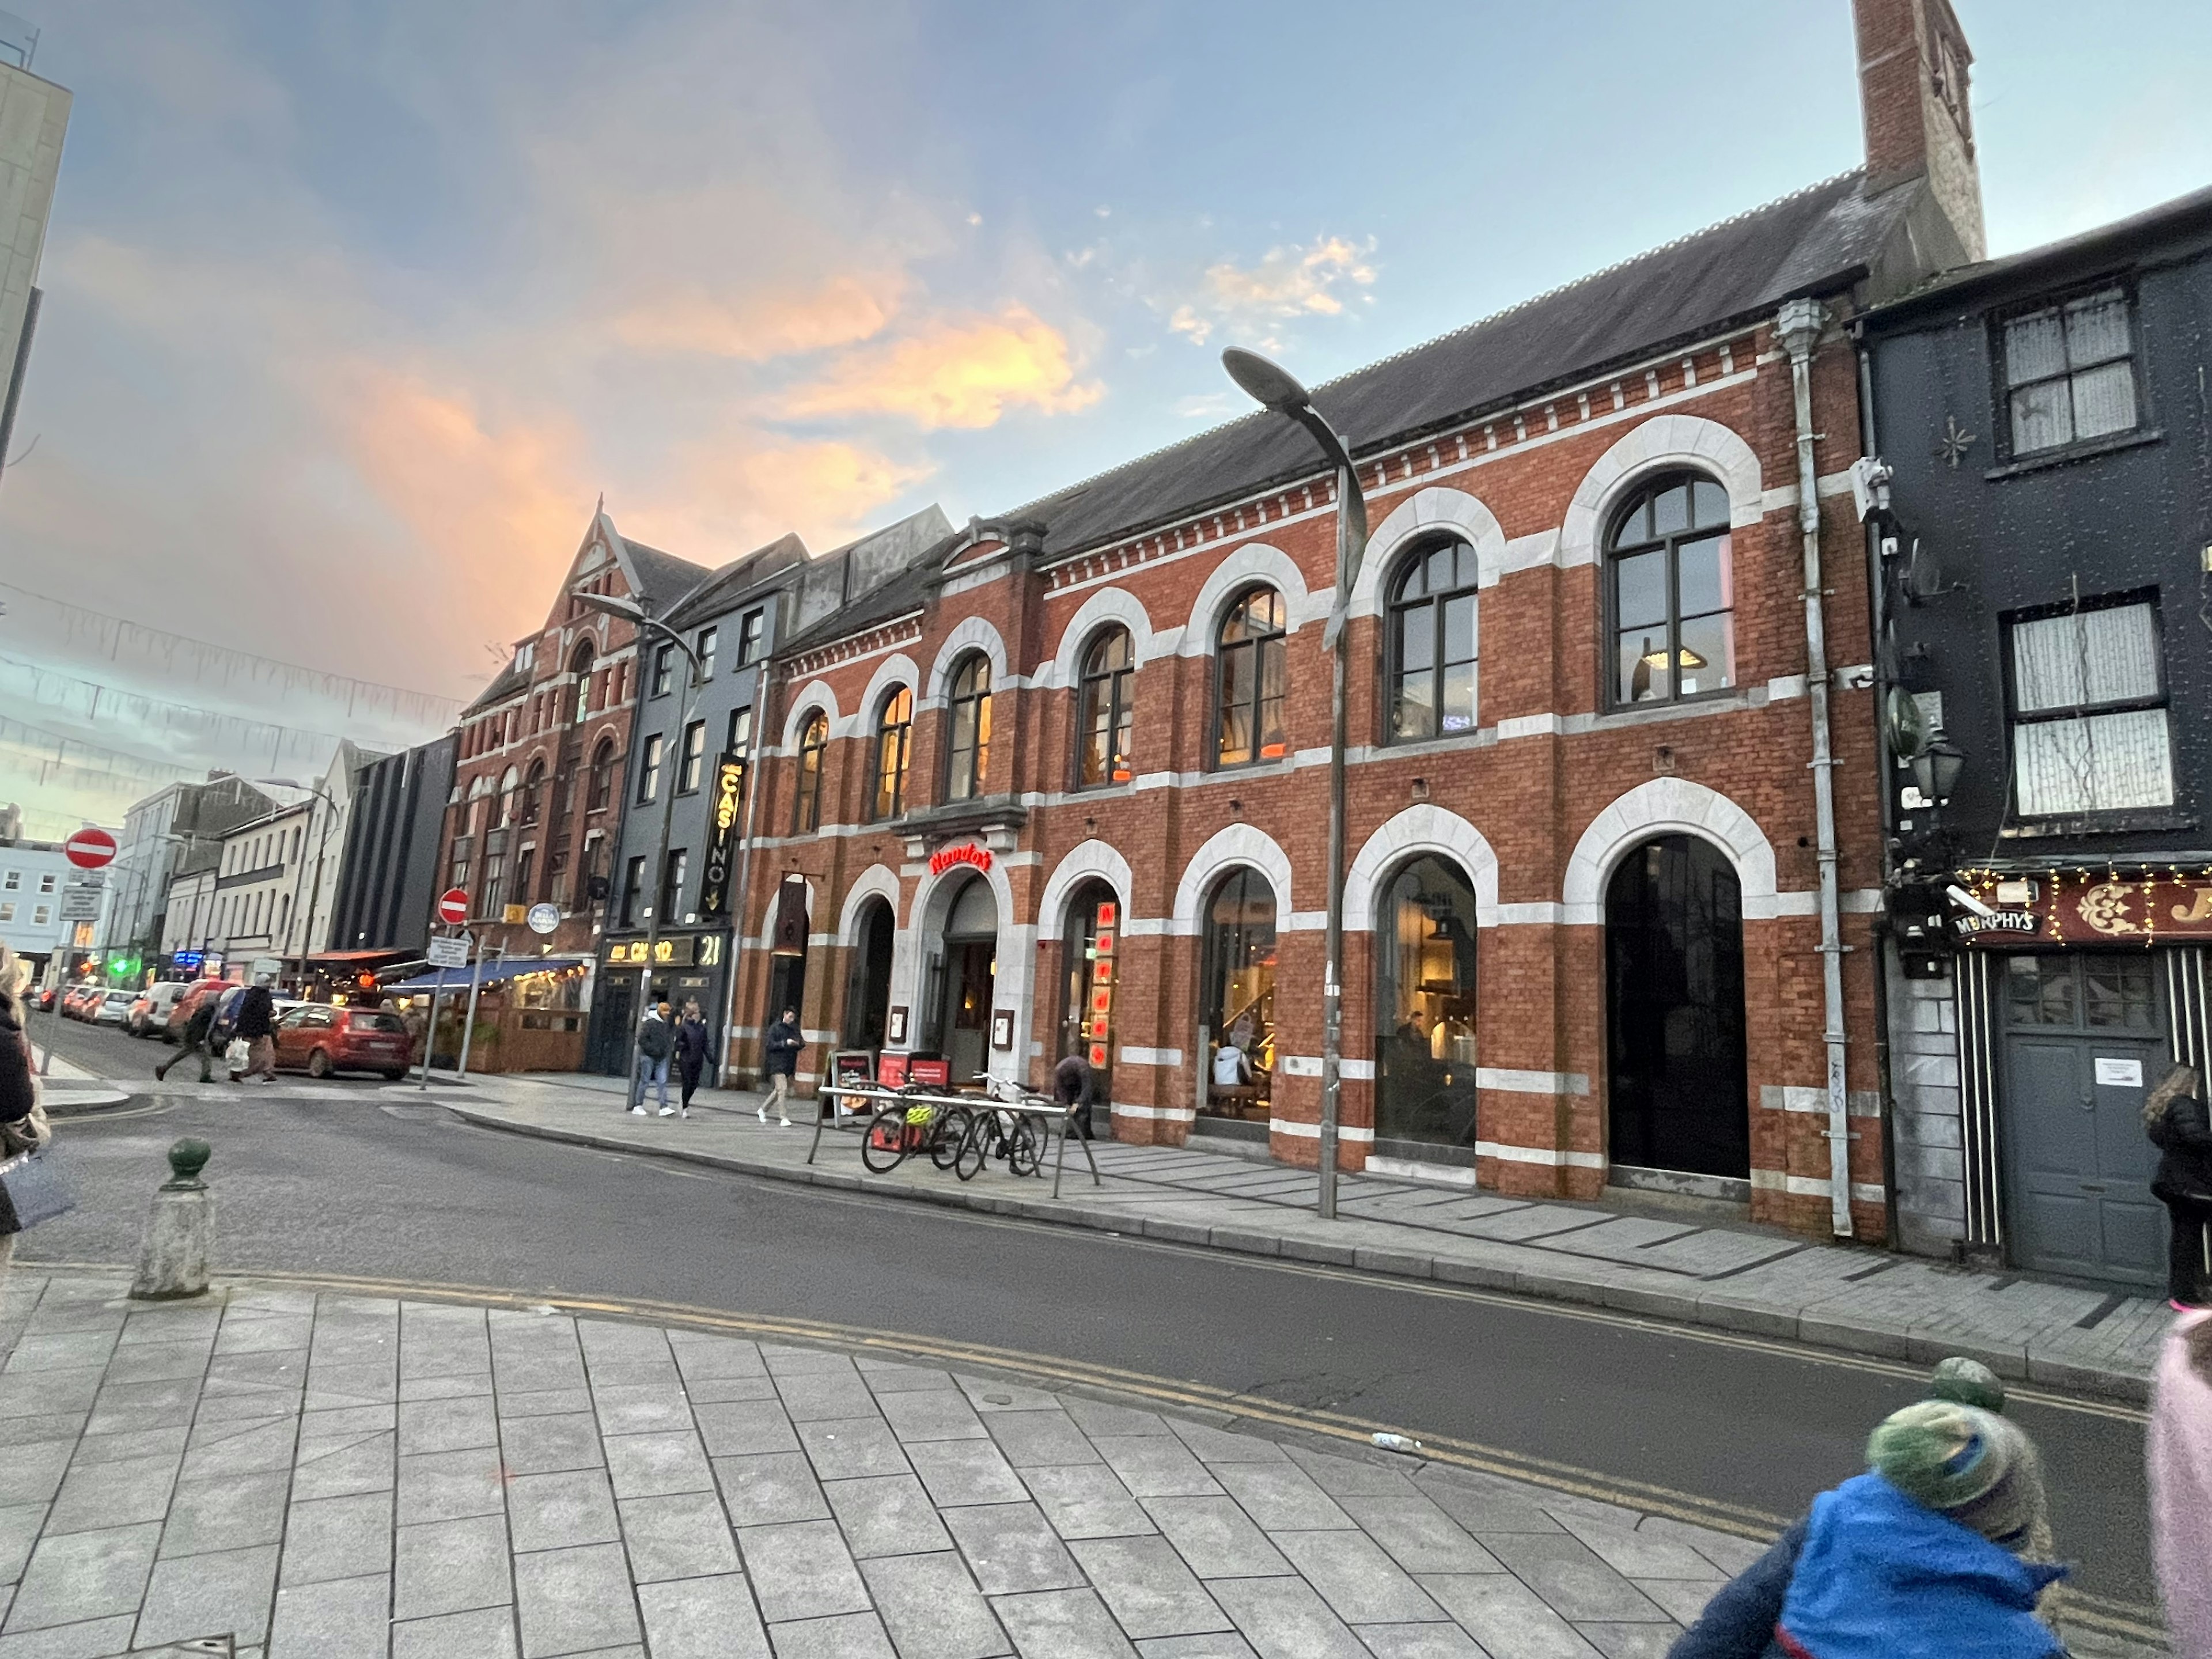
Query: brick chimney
{"type": "Point", "coordinates": [1914, 70]}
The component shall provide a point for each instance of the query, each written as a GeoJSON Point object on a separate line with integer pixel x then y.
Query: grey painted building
{"type": "Point", "coordinates": [388, 877]}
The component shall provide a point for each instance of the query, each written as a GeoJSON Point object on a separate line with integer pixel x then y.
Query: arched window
{"type": "Point", "coordinates": [1425, 1008]}
{"type": "Point", "coordinates": [509, 783]}
{"type": "Point", "coordinates": [1238, 998]}
{"type": "Point", "coordinates": [533, 791]}
{"type": "Point", "coordinates": [1671, 590]}
{"type": "Point", "coordinates": [894, 741]}
{"type": "Point", "coordinates": [603, 777]}
{"type": "Point", "coordinates": [1251, 678]}
{"type": "Point", "coordinates": [579, 665]}
{"type": "Point", "coordinates": [1107, 711]}
{"type": "Point", "coordinates": [968, 754]}
{"type": "Point", "coordinates": [1432, 643]}
{"type": "Point", "coordinates": [813, 744]}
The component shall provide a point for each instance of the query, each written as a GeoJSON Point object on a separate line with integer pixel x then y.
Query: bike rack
{"type": "Point", "coordinates": [1049, 1110]}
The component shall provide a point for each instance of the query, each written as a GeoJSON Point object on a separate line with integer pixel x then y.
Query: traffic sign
{"type": "Point", "coordinates": [449, 950]}
{"type": "Point", "coordinates": [80, 902]}
{"type": "Point", "coordinates": [90, 849]}
{"type": "Point", "coordinates": [454, 906]}
{"type": "Point", "coordinates": [544, 918]}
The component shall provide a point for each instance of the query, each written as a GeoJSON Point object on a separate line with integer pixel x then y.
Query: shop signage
{"type": "Point", "coordinates": [1099, 1025]}
{"type": "Point", "coordinates": [2082, 908]}
{"type": "Point", "coordinates": [722, 845]}
{"type": "Point", "coordinates": [678, 950]}
{"type": "Point", "coordinates": [789, 938]}
{"type": "Point", "coordinates": [944, 858]}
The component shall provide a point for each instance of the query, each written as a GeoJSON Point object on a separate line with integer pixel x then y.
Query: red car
{"type": "Point", "coordinates": [318, 1039]}
{"type": "Point", "coordinates": [180, 1011]}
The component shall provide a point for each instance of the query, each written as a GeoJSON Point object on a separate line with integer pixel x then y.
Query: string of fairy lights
{"type": "Point", "coordinates": [2124, 905]}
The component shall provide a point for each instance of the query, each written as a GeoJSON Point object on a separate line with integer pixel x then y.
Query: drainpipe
{"type": "Point", "coordinates": [1799, 324]}
{"type": "Point", "coordinates": [1870, 444]}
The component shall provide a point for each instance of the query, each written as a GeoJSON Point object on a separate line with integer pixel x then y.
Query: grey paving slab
{"type": "Point", "coordinates": [1154, 1466]}
{"type": "Point", "coordinates": [450, 1566]}
{"type": "Point", "coordinates": [931, 1609]}
{"type": "Point", "coordinates": [155, 1362]}
{"type": "Point", "coordinates": [484, 1634]}
{"type": "Point", "coordinates": [343, 1618]}
{"type": "Point", "coordinates": [894, 1376]}
{"type": "Point", "coordinates": [886, 1514]}
{"type": "Point", "coordinates": [1285, 1619]}
{"type": "Point", "coordinates": [332, 1538]}
{"type": "Point", "coordinates": [81, 1576]}
{"type": "Point", "coordinates": [19, 1531]}
{"type": "Point", "coordinates": [1149, 1589]}
{"type": "Point", "coordinates": [989, 1394]}
{"type": "Point", "coordinates": [1417, 1534]}
{"type": "Point", "coordinates": [822, 1396]}
{"type": "Point", "coordinates": [230, 1512]}
{"type": "Point", "coordinates": [95, 1638]}
{"type": "Point", "coordinates": [706, 1618]}
{"type": "Point", "coordinates": [1357, 1578]}
{"type": "Point", "coordinates": [229, 1592]}
{"type": "Point", "coordinates": [350, 1465]}
{"type": "Point", "coordinates": [841, 1636]}
{"type": "Point", "coordinates": [1011, 1548]}
{"type": "Point", "coordinates": [931, 1415]}
{"type": "Point", "coordinates": [1038, 1438]}
{"type": "Point", "coordinates": [1211, 1445]}
{"type": "Point", "coordinates": [966, 1471]}
{"type": "Point", "coordinates": [448, 1485]}
{"type": "Point", "coordinates": [643, 1408]}
{"type": "Point", "coordinates": [844, 1447]}
{"type": "Point", "coordinates": [236, 1446]}
{"type": "Point", "coordinates": [542, 1402]}
{"type": "Point", "coordinates": [32, 1473]}
{"type": "Point", "coordinates": [1637, 1552]}
{"type": "Point", "coordinates": [446, 1424]}
{"type": "Point", "coordinates": [1099, 1417]}
{"type": "Point", "coordinates": [1087, 1500]}
{"type": "Point", "coordinates": [743, 1428]}
{"type": "Point", "coordinates": [651, 1465]}
{"type": "Point", "coordinates": [1565, 1571]}
{"type": "Point", "coordinates": [802, 1571]}
{"type": "Point", "coordinates": [770, 1488]}
{"type": "Point", "coordinates": [140, 1443]}
{"type": "Point", "coordinates": [553, 1511]}
{"type": "Point", "coordinates": [1216, 1537]}
{"type": "Point", "coordinates": [548, 1444]}
{"type": "Point", "coordinates": [572, 1601]}
{"type": "Point", "coordinates": [1339, 1476]}
{"type": "Point", "coordinates": [1504, 1616]}
{"type": "Point", "coordinates": [117, 1494]}
{"type": "Point", "coordinates": [1062, 1625]}
{"type": "Point", "coordinates": [1225, 1644]}
{"type": "Point", "coordinates": [698, 1355]}
{"type": "Point", "coordinates": [1418, 1641]}
{"type": "Point", "coordinates": [681, 1536]}
{"type": "Point", "coordinates": [1485, 1507]}
{"type": "Point", "coordinates": [1280, 1497]}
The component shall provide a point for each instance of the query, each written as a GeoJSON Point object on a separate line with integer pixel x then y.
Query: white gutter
{"type": "Point", "coordinates": [1799, 324]}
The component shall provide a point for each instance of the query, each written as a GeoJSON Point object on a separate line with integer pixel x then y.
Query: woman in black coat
{"type": "Point", "coordinates": [691, 1052]}
{"type": "Point", "coordinates": [2175, 1118]}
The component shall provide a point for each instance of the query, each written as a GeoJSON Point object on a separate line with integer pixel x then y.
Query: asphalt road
{"type": "Point", "coordinates": [369, 1182]}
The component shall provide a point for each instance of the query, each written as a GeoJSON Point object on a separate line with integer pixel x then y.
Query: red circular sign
{"type": "Point", "coordinates": [90, 849]}
{"type": "Point", "coordinates": [454, 905]}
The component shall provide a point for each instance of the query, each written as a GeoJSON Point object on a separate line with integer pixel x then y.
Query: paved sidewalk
{"type": "Point", "coordinates": [329, 1476]}
{"type": "Point", "coordinates": [1742, 1277]}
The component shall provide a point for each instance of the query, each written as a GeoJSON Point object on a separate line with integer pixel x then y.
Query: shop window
{"type": "Point", "coordinates": [813, 745]}
{"type": "Point", "coordinates": [1106, 716]}
{"type": "Point", "coordinates": [2102, 992]}
{"type": "Point", "coordinates": [1251, 680]}
{"type": "Point", "coordinates": [2070, 372]}
{"type": "Point", "coordinates": [968, 751]}
{"type": "Point", "coordinates": [1432, 643]}
{"type": "Point", "coordinates": [1424, 1049]}
{"type": "Point", "coordinates": [2090, 724]}
{"type": "Point", "coordinates": [1092, 939]}
{"type": "Point", "coordinates": [1671, 589]}
{"type": "Point", "coordinates": [1238, 1005]}
{"type": "Point", "coordinates": [894, 742]}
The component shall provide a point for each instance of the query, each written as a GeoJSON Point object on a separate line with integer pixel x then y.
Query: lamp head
{"type": "Point", "coordinates": [1935, 771]}
{"type": "Point", "coordinates": [628, 610]}
{"type": "Point", "coordinates": [1264, 382]}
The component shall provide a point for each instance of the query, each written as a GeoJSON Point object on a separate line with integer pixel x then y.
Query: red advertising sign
{"type": "Point", "coordinates": [2081, 907]}
{"type": "Point", "coordinates": [967, 853]}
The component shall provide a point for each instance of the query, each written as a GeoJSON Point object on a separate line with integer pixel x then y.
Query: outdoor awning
{"type": "Point", "coordinates": [492, 973]}
{"type": "Point", "coordinates": [355, 958]}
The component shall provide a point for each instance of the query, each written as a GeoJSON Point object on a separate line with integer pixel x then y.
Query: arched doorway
{"type": "Point", "coordinates": [1425, 1065]}
{"type": "Point", "coordinates": [868, 977]}
{"type": "Point", "coordinates": [1237, 1001]}
{"type": "Point", "coordinates": [1674, 933]}
{"type": "Point", "coordinates": [1091, 940]}
{"type": "Point", "coordinates": [963, 971]}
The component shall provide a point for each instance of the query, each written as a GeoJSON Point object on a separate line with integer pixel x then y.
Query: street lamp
{"type": "Point", "coordinates": [1936, 772]}
{"type": "Point", "coordinates": [322, 845]}
{"type": "Point", "coordinates": [633, 612]}
{"type": "Point", "coordinates": [1267, 384]}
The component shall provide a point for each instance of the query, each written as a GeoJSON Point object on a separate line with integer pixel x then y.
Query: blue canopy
{"type": "Point", "coordinates": [491, 973]}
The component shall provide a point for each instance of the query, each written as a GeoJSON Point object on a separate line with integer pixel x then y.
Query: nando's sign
{"type": "Point", "coordinates": [2083, 907]}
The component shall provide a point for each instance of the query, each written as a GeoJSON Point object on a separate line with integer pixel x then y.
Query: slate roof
{"type": "Point", "coordinates": [895, 596]}
{"type": "Point", "coordinates": [741, 575]}
{"type": "Point", "coordinates": [509, 681]}
{"type": "Point", "coordinates": [1816, 241]}
{"type": "Point", "coordinates": [666, 578]}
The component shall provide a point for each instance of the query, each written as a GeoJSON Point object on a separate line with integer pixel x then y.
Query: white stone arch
{"type": "Point", "coordinates": [1085, 860]}
{"type": "Point", "coordinates": [1108, 604]}
{"type": "Point", "coordinates": [815, 694]}
{"type": "Point", "coordinates": [1236, 844]}
{"type": "Point", "coordinates": [1664, 441]}
{"type": "Point", "coordinates": [969, 634]}
{"type": "Point", "coordinates": [1423, 827]}
{"type": "Point", "coordinates": [1014, 986]}
{"type": "Point", "coordinates": [877, 881]}
{"type": "Point", "coordinates": [1437, 507]}
{"type": "Point", "coordinates": [1667, 806]}
{"type": "Point", "coordinates": [1250, 565]}
{"type": "Point", "coordinates": [896, 670]}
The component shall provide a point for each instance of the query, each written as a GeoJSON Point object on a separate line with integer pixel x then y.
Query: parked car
{"type": "Point", "coordinates": [110, 1007]}
{"type": "Point", "coordinates": [180, 1011]}
{"type": "Point", "coordinates": [319, 1040]}
{"type": "Point", "coordinates": [225, 1014]}
{"type": "Point", "coordinates": [149, 1014]}
{"type": "Point", "coordinates": [82, 996]}
{"type": "Point", "coordinates": [46, 999]}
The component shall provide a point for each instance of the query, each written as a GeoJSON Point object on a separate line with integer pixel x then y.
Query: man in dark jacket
{"type": "Point", "coordinates": [690, 1055]}
{"type": "Point", "coordinates": [1074, 1085]}
{"type": "Point", "coordinates": [198, 1027]}
{"type": "Point", "coordinates": [783, 1043]}
{"type": "Point", "coordinates": [656, 1041]}
{"type": "Point", "coordinates": [2181, 1129]}
{"type": "Point", "coordinates": [257, 1024]}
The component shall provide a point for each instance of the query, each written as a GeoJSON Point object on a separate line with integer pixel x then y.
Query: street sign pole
{"type": "Point", "coordinates": [89, 848]}
{"type": "Point", "coordinates": [469, 1025]}
{"type": "Point", "coordinates": [430, 1031]}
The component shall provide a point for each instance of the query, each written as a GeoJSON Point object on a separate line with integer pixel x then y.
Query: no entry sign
{"type": "Point", "coordinates": [452, 905]}
{"type": "Point", "coordinates": [90, 849]}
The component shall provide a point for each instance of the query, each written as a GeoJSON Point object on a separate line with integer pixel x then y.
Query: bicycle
{"type": "Point", "coordinates": [1004, 1128]}
{"type": "Point", "coordinates": [910, 1125]}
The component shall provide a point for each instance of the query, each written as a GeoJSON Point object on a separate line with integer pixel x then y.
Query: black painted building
{"type": "Point", "coordinates": [2045, 652]}
{"type": "Point", "coordinates": [388, 878]}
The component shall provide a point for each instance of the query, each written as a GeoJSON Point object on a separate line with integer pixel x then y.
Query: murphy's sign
{"type": "Point", "coordinates": [2098, 908]}
{"type": "Point", "coordinates": [723, 816]}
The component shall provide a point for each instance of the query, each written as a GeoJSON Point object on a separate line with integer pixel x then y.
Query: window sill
{"type": "Point", "coordinates": [2098, 824]}
{"type": "Point", "coordinates": [1263, 768]}
{"type": "Point", "coordinates": [1648, 714]}
{"type": "Point", "coordinates": [2084, 452]}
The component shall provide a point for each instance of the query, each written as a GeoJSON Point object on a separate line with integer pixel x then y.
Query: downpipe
{"type": "Point", "coordinates": [1798, 324]}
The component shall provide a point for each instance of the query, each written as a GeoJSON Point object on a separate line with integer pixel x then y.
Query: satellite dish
{"type": "Point", "coordinates": [1909, 733]}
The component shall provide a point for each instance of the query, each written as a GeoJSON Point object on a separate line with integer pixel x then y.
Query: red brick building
{"type": "Point", "coordinates": [1064, 785]}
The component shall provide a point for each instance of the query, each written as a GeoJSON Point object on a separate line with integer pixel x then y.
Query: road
{"type": "Point", "coordinates": [365, 1181]}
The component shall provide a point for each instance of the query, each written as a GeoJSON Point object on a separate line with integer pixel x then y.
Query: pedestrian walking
{"type": "Point", "coordinates": [199, 1025]}
{"type": "Point", "coordinates": [656, 1041]}
{"type": "Point", "coordinates": [257, 1024]}
{"type": "Point", "coordinates": [1072, 1082]}
{"type": "Point", "coordinates": [691, 1054]}
{"type": "Point", "coordinates": [23, 1126]}
{"type": "Point", "coordinates": [2175, 1118]}
{"type": "Point", "coordinates": [783, 1043]}
{"type": "Point", "coordinates": [2180, 1467]}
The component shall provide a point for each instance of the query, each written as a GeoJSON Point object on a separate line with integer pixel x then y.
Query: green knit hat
{"type": "Point", "coordinates": [1969, 1382]}
{"type": "Point", "coordinates": [1964, 1463]}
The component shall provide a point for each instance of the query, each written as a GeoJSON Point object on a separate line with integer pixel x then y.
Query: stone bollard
{"type": "Point", "coordinates": [172, 1256]}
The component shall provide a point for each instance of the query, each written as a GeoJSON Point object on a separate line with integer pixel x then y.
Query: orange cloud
{"type": "Point", "coordinates": [756, 327]}
{"type": "Point", "coordinates": [1287, 282]}
{"type": "Point", "coordinates": [961, 371]}
{"type": "Point", "coordinates": [744, 488]}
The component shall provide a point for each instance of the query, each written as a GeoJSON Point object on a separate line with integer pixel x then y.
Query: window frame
{"type": "Point", "coordinates": [813, 754]}
{"type": "Point", "coordinates": [740, 740]}
{"type": "Point", "coordinates": [709, 638]}
{"type": "Point", "coordinates": [752, 631]}
{"type": "Point", "coordinates": [881, 809]}
{"type": "Point", "coordinates": [1610, 552]}
{"type": "Point", "coordinates": [1120, 694]}
{"type": "Point", "coordinates": [632, 890]}
{"type": "Point", "coordinates": [650, 755]}
{"type": "Point", "coordinates": [691, 759]}
{"type": "Point", "coordinates": [2013, 719]}
{"type": "Point", "coordinates": [973, 783]}
{"type": "Point", "coordinates": [664, 668]}
{"type": "Point", "coordinates": [675, 873]}
{"type": "Point", "coordinates": [1256, 644]}
{"type": "Point", "coordinates": [2000, 387]}
{"type": "Point", "coordinates": [599, 785]}
{"type": "Point", "coordinates": [1412, 562]}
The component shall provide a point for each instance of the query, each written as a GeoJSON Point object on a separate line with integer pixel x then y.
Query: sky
{"type": "Point", "coordinates": [354, 310]}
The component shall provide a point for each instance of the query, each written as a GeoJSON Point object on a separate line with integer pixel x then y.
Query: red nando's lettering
{"type": "Point", "coordinates": [945, 857]}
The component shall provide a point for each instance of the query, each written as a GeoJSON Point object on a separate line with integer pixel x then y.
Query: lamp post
{"type": "Point", "coordinates": [1269, 385]}
{"type": "Point", "coordinates": [321, 846]}
{"type": "Point", "coordinates": [633, 612]}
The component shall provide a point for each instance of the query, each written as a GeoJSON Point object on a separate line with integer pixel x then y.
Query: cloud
{"type": "Point", "coordinates": [1205, 406]}
{"type": "Point", "coordinates": [1287, 282]}
{"type": "Point", "coordinates": [746, 486]}
{"type": "Point", "coordinates": [843, 310]}
{"type": "Point", "coordinates": [963, 371]}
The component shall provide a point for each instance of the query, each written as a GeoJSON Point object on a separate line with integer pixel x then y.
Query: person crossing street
{"type": "Point", "coordinates": [256, 1025]}
{"type": "Point", "coordinates": [783, 1043]}
{"type": "Point", "coordinates": [194, 1041]}
{"type": "Point", "coordinates": [691, 1055]}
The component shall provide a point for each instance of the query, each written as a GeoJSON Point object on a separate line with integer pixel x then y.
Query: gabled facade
{"type": "Point", "coordinates": [1063, 788]}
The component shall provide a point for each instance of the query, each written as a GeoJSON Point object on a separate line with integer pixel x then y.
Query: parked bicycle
{"type": "Point", "coordinates": [1004, 1128]}
{"type": "Point", "coordinates": [911, 1124]}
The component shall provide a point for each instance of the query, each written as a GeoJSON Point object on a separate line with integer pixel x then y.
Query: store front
{"type": "Point", "coordinates": [686, 968]}
{"type": "Point", "coordinates": [1425, 1023]}
{"type": "Point", "coordinates": [1237, 1008]}
{"type": "Point", "coordinates": [963, 970]}
{"type": "Point", "coordinates": [868, 980]}
{"type": "Point", "coordinates": [1087, 1024]}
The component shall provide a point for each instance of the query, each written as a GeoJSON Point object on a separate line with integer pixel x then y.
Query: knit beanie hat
{"type": "Point", "coordinates": [1969, 1382]}
{"type": "Point", "coordinates": [1964, 1463]}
